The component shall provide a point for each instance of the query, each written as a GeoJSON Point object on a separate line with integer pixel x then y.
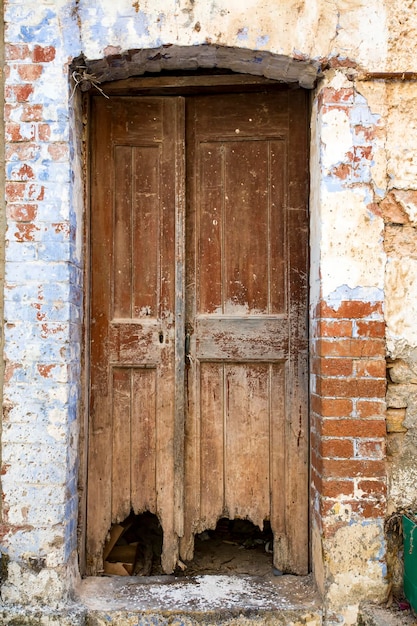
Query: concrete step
{"type": "Point", "coordinates": [209, 600]}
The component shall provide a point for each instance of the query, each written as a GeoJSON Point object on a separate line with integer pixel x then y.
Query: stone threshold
{"type": "Point", "coordinates": [237, 600]}
{"type": "Point", "coordinates": [206, 600]}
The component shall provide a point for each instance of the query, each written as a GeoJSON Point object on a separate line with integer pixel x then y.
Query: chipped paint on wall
{"type": "Point", "coordinates": [363, 220]}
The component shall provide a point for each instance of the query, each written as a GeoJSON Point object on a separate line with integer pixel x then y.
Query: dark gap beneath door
{"type": "Point", "coordinates": [235, 546]}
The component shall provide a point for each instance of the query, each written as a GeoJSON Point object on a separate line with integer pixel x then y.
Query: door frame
{"type": "Point", "coordinates": [168, 84]}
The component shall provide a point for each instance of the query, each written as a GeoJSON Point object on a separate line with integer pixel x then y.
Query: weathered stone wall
{"type": "Point", "coordinates": [363, 260]}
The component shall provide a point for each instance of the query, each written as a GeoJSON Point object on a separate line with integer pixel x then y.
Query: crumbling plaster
{"type": "Point", "coordinates": [362, 229]}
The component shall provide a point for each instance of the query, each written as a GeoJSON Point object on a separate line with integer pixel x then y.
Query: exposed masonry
{"type": "Point", "coordinates": [364, 271]}
{"type": "Point", "coordinates": [43, 313]}
{"type": "Point", "coordinates": [348, 357]}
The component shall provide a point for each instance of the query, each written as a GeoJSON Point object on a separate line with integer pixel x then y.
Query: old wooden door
{"type": "Point", "coordinates": [199, 318]}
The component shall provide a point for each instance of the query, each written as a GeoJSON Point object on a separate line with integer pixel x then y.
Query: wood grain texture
{"type": "Point", "coordinates": [214, 247]}
{"type": "Point", "coordinates": [132, 416]}
{"type": "Point", "coordinates": [247, 420]}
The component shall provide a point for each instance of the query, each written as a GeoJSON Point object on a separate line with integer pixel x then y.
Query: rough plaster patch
{"type": "Point", "coordinates": [403, 481]}
{"type": "Point", "coordinates": [24, 586]}
{"type": "Point", "coordinates": [354, 558]}
{"type": "Point", "coordinates": [402, 25]}
{"type": "Point", "coordinates": [351, 242]}
{"type": "Point", "coordinates": [369, 22]}
{"type": "Point", "coordinates": [401, 305]}
{"type": "Point", "coordinates": [313, 29]}
{"type": "Point", "coordinates": [336, 138]}
{"type": "Point", "coordinates": [375, 96]}
{"type": "Point", "coordinates": [350, 614]}
{"type": "Point", "coordinates": [402, 135]}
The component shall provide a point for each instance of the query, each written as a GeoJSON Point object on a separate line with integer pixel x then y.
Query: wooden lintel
{"type": "Point", "coordinates": [141, 85]}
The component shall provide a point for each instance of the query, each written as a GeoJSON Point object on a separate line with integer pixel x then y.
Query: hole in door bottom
{"type": "Point", "coordinates": [233, 547]}
{"type": "Point", "coordinates": [134, 546]}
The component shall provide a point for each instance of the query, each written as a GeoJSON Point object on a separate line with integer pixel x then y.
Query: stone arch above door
{"type": "Point", "coordinates": [120, 65]}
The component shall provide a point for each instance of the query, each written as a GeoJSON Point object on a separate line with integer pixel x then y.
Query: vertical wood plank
{"type": "Point", "coordinates": [297, 427]}
{"type": "Point", "coordinates": [192, 370]}
{"type": "Point", "coordinates": [210, 229]}
{"type": "Point", "coordinates": [122, 234]}
{"type": "Point", "coordinates": [246, 227]}
{"type": "Point", "coordinates": [121, 443]}
{"type": "Point", "coordinates": [179, 418]}
{"type": "Point", "coordinates": [278, 180]}
{"type": "Point", "coordinates": [212, 435]}
{"type": "Point", "coordinates": [99, 488]}
{"type": "Point", "coordinates": [278, 456]}
{"type": "Point", "coordinates": [143, 438]}
{"type": "Point", "coordinates": [145, 231]}
{"type": "Point", "coordinates": [247, 489]}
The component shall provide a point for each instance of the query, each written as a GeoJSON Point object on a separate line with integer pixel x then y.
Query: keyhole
{"type": "Point", "coordinates": [161, 337]}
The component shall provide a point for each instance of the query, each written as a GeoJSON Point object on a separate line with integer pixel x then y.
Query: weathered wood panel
{"type": "Point", "coordinates": [241, 299]}
{"type": "Point", "coordinates": [135, 197]}
{"type": "Point", "coordinates": [246, 423]}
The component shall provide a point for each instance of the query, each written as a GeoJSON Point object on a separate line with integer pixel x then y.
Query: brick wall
{"type": "Point", "coordinates": [348, 413]}
{"type": "Point", "coordinates": [43, 313]}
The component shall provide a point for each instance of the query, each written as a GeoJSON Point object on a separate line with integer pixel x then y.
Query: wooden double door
{"type": "Point", "coordinates": [198, 318]}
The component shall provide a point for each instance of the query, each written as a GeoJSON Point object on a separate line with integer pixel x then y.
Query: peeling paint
{"type": "Point", "coordinates": [363, 238]}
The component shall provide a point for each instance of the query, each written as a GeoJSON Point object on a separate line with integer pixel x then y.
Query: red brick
{"type": "Point", "coordinates": [370, 408]}
{"type": "Point", "coordinates": [351, 387]}
{"type": "Point", "coordinates": [35, 192]}
{"type": "Point", "coordinates": [314, 439]}
{"type": "Point", "coordinates": [370, 509]}
{"type": "Point", "coordinates": [25, 231]}
{"type": "Point", "coordinates": [363, 508]}
{"type": "Point", "coordinates": [15, 52]}
{"type": "Point", "coordinates": [329, 95]}
{"type": "Point", "coordinates": [349, 468]}
{"type": "Point", "coordinates": [375, 368]}
{"type": "Point", "coordinates": [334, 329]}
{"type": "Point", "coordinates": [58, 151]}
{"type": "Point", "coordinates": [25, 172]}
{"type": "Point", "coordinates": [332, 407]}
{"type": "Point", "coordinates": [316, 481]}
{"type": "Point", "coordinates": [370, 449]}
{"type": "Point", "coordinates": [367, 132]}
{"type": "Point", "coordinates": [351, 347]}
{"type": "Point", "coordinates": [332, 367]}
{"type": "Point", "coordinates": [22, 151]}
{"type": "Point", "coordinates": [15, 132]}
{"type": "Point", "coordinates": [352, 428]}
{"type": "Point", "coordinates": [15, 191]}
{"type": "Point", "coordinates": [316, 462]}
{"type": "Point", "coordinates": [350, 309]}
{"type": "Point", "coordinates": [29, 72]}
{"type": "Point", "coordinates": [22, 212]}
{"type": "Point", "coordinates": [32, 113]}
{"type": "Point", "coordinates": [20, 93]}
{"type": "Point", "coordinates": [336, 448]}
{"type": "Point", "coordinates": [371, 328]}
{"type": "Point", "coordinates": [373, 487]}
{"type": "Point", "coordinates": [43, 54]}
{"type": "Point", "coordinates": [335, 488]}
{"type": "Point", "coordinates": [44, 132]}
